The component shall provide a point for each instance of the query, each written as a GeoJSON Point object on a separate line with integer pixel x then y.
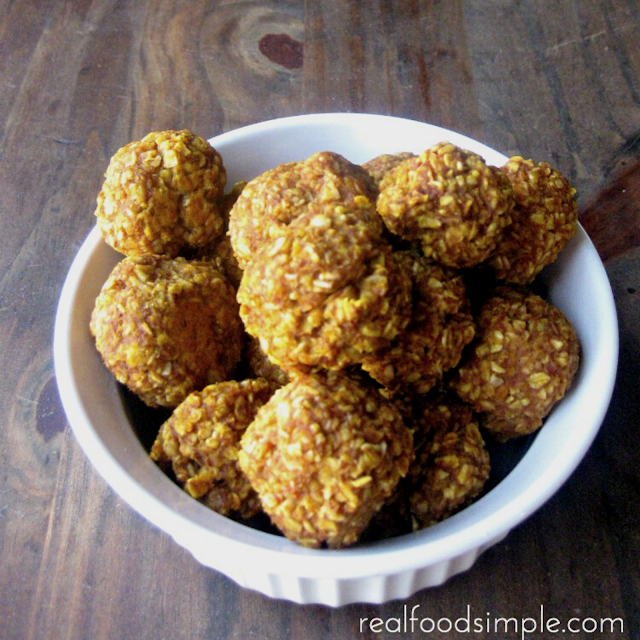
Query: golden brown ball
{"type": "Point", "coordinates": [450, 201]}
{"type": "Point", "coordinates": [524, 358]}
{"type": "Point", "coordinates": [270, 202]}
{"type": "Point", "coordinates": [545, 218]}
{"type": "Point", "coordinates": [200, 442]}
{"type": "Point", "coordinates": [440, 327]}
{"type": "Point", "coordinates": [162, 194]}
{"type": "Point", "coordinates": [256, 364]}
{"type": "Point", "coordinates": [451, 466]}
{"type": "Point", "coordinates": [327, 292]}
{"type": "Point", "coordinates": [166, 327]}
{"type": "Point", "coordinates": [323, 454]}
{"type": "Point", "coordinates": [379, 166]}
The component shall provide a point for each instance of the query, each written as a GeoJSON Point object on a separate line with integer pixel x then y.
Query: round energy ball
{"type": "Point", "coordinates": [166, 327]}
{"type": "Point", "coordinates": [219, 250]}
{"type": "Point", "coordinates": [257, 364]}
{"type": "Point", "coordinates": [162, 194]}
{"type": "Point", "coordinates": [523, 360]}
{"type": "Point", "coordinates": [450, 201]}
{"type": "Point", "coordinates": [327, 292]}
{"type": "Point", "coordinates": [545, 218]}
{"type": "Point", "coordinates": [379, 166]}
{"type": "Point", "coordinates": [270, 202]}
{"type": "Point", "coordinates": [324, 454]}
{"type": "Point", "coordinates": [452, 464]}
{"type": "Point", "coordinates": [200, 442]}
{"type": "Point", "coordinates": [450, 468]}
{"type": "Point", "coordinates": [220, 254]}
{"type": "Point", "coordinates": [440, 327]}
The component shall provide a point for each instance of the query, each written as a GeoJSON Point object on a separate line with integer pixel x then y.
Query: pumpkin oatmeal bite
{"type": "Point", "coordinates": [450, 202]}
{"type": "Point", "coordinates": [199, 444]}
{"type": "Point", "coordinates": [219, 250]}
{"type": "Point", "coordinates": [220, 254]}
{"type": "Point", "coordinates": [256, 364]}
{"type": "Point", "coordinates": [327, 292]}
{"type": "Point", "coordinates": [450, 468]}
{"type": "Point", "coordinates": [440, 327]}
{"type": "Point", "coordinates": [271, 201]}
{"type": "Point", "coordinates": [166, 327]}
{"type": "Point", "coordinates": [545, 218]}
{"type": "Point", "coordinates": [162, 194]}
{"type": "Point", "coordinates": [323, 454]}
{"type": "Point", "coordinates": [379, 166]}
{"type": "Point", "coordinates": [524, 358]}
{"type": "Point", "coordinates": [452, 463]}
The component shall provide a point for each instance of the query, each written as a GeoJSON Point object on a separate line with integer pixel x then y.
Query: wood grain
{"type": "Point", "coordinates": [553, 80]}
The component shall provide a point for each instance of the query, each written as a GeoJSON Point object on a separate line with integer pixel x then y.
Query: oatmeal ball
{"type": "Point", "coordinates": [201, 440]}
{"type": "Point", "coordinates": [166, 327]}
{"type": "Point", "coordinates": [452, 465]}
{"type": "Point", "coordinates": [524, 358]}
{"type": "Point", "coordinates": [327, 292]}
{"type": "Point", "coordinates": [450, 468]}
{"type": "Point", "coordinates": [258, 365]}
{"type": "Point", "coordinates": [393, 519]}
{"type": "Point", "coordinates": [440, 327]}
{"type": "Point", "coordinates": [219, 250]}
{"type": "Point", "coordinates": [545, 218]}
{"type": "Point", "coordinates": [162, 194]}
{"type": "Point", "coordinates": [323, 454]}
{"type": "Point", "coordinates": [220, 254]}
{"type": "Point", "coordinates": [449, 201]}
{"type": "Point", "coordinates": [229, 199]}
{"type": "Point", "coordinates": [379, 166]}
{"type": "Point", "coordinates": [270, 202]}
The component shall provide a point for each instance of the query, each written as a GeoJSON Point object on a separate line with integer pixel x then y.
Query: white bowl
{"type": "Point", "coordinates": [375, 572]}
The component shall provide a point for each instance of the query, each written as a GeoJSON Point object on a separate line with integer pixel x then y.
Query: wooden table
{"type": "Point", "coordinates": [553, 80]}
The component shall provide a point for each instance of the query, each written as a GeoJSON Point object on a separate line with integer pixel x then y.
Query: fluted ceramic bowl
{"type": "Point", "coordinates": [525, 476]}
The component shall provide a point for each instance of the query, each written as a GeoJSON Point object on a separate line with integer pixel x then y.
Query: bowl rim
{"type": "Point", "coordinates": [202, 531]}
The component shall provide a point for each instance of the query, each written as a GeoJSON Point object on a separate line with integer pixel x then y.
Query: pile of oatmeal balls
{"type": "Point", "coordinates": [336, 342]}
